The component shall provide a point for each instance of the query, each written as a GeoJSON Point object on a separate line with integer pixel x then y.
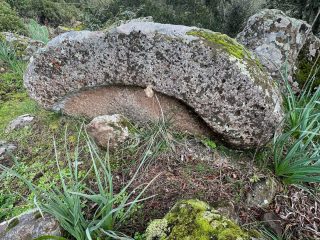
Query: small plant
{"type": "Point", "coordinates": [8, 56]}
{"type": "Point", "coordinates": [38, 32]}
{"type": "Point", "coordinates": [297, 150]}
{"type": "Point", "coordinates": [67, 205]}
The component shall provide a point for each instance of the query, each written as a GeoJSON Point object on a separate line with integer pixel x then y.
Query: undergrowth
{"type": "Point", "coordinates": [297, 150]}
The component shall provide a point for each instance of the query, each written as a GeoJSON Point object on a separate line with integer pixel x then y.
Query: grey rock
{"type": "Point", "coordinates": [29, 225]}
{"type": "Point", "coordinates": [263, 193]}
{"type": "Point", "coordinates": [108, 131]}
{"type": "Point", "coordinates": [276, 39]}
{"type": "Point", "coordinates": [211, 73]}
{"type": "Point", "coordinates": [274, 222]}
{"type": "Point", "coordinates": [24, 46]}
{"type": "Point", "coordinates": [19, 122]}
{"type": "Point", "coordinates": [6, 149]}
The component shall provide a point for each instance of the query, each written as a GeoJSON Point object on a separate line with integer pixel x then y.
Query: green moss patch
{"type": "Point", "coordinates": [194, 219]}
{"type": "Point", "coordinates": [230, 45]}
{"type": "Point", "coordinates": [307, 70]}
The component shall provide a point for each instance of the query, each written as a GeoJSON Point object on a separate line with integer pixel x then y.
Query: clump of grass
{"type": "Point", "coordinates": [297, 150]}
{"type": "Point", "coordinates": [9, 57]}
{"type": "Point", "coordinates": [37, 31]}
{"type": "Point", "coordinates": [68, 203]}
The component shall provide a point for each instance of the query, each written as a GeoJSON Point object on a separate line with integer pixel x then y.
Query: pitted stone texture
{"type": "Point", "coordinates": [276, 39]}
{"type": "Point", "coordinates": [234, 96]}
{"type": "Point", "coordinates": [108, 131]}
{"type": "Point", "coordinates": [29, 225]}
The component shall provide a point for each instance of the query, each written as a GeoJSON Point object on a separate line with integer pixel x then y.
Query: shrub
{"type": "Point", "coordinates": [224, 16]}
{"type": "Point", "coordinates": [53, 12]}
{"type": "Point", "coordinates": [9, 21]}
{"type": "Point", "coordinates": [38, 32]}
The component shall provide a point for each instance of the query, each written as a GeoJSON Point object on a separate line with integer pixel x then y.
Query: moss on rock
{"type": "Point", "coordinates": [196, 220]}
{"type": "Point", "coordinates": [306, 70]}
{"type": "Point", "coordinates": [229, 44]}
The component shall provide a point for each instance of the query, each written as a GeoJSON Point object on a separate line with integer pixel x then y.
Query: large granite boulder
{"type": "Point", "coordinates": [276, 39]}
{"type": "Point", "coordinates": [212, 74]}
{"type": "Point", "coordinates": [29, 225]}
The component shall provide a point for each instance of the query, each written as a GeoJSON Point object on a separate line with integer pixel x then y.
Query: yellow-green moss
{"type": "Point", "coordinates": [195, 220]}
{"type": "Point", "coordinates": [227, 43]}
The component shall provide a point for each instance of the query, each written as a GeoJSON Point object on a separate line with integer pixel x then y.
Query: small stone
{"type": "Point", "coordinates": [108, 131]}
{"type": "Point", "coordinates": [263, 193]}
{"type": "Point", "coordinates": [149, 92]}
{"type": "Point", "coordinates": [273, 222]}
{"type": "Point", "coordinates": [29, 225]}
{"type": "Point", "coordinates": [5, 150]}
{"type": "Point", "coordinates": [19, 122]}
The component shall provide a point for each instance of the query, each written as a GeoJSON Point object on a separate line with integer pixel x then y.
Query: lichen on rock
{"type": "Point", "coordinates": [194, 219]}
{"type": "Point", "coordinates": [235, 97]}
{"type": "Point", "coordinates": [276, 39]}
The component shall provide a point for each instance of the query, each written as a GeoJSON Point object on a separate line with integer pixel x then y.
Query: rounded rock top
{"type": "Point", "coordinates": [215, 76]}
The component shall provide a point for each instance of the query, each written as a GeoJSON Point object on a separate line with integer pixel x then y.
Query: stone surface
{"type": "Point", "coordinates": [273, 222]}
{"type": "Point", "coordinates": [28, 226]}
{"type": "Point", "coordinates": [108, 131]}
{"type": "Point", "coordinates": [24, 47]}
{"type": "Point", "coordinates": [19, 122]}
{"type": "Point", "coordinates": [211, 73]}
{"type": "Point", "coordinates": [141, 105]}
{"type": "Point", "coordinates": [6, 149]}
{"type": "Point", "coordinates": [276, 39]}
{"type": "Point", "coordinates": [263, 193]}
{"type": "Point", "coordinates": [194, 219]}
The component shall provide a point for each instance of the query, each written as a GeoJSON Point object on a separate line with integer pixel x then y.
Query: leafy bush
{"type": "Point", "coordinates": [53, 12]}
{"type": "Point", "coordinates": [9, 21]}
{"type": "Point", "coordinates": [38, 32]}
{"type": "Point", "coordinates": [224, 16]}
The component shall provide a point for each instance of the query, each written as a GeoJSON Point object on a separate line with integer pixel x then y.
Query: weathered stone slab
{"type": "Point", "coordinates": [29, 225]}
{"type": "Point", "coordinates": [276, 39]}
{"type": "Point", "coordinates": [211, 73]}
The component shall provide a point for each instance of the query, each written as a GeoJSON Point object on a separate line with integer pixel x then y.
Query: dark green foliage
{"type": "Point", "coordinates": [221, 16]}
{"type": "Point", "coordinates": [53, 12]}
{"type": "Point", "coordinates": [9, 21]}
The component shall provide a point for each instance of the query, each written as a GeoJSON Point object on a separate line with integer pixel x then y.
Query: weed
{"type": "Point", "coordinates": [297, 150]}
{"type": "Point", "coordinates": [67, 204]}
{"type": "Point", "coordinates": [8, 56]}
{"type": "Point", "coordinates": [38, 32]}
